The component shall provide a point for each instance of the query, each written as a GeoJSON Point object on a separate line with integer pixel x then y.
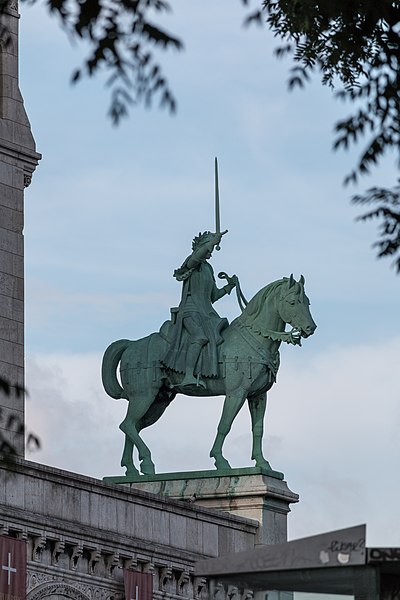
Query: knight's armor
{"type": "Point", "coordinates": [197, 331]}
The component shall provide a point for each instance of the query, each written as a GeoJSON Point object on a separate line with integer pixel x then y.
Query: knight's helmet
{"type": "Point", "coordinates": [202, 239]}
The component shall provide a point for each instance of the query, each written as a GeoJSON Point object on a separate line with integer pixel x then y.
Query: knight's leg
{"type": "Point", "coordinates": [257, 407]}
{"type": "Point", "coordinates": [197, 340]}
{"type": "Point", "coordinates": [233, 403]}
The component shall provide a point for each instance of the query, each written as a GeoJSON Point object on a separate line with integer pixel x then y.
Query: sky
{"type": "Point", "coordinates": [111, 213]}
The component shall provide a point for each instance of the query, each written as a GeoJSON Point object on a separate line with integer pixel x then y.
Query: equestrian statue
{"type": "Point", "coordinates": [198, 353]}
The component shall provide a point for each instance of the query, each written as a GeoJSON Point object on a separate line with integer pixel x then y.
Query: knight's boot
{"type": "Point", "coordinates": [190, 380]}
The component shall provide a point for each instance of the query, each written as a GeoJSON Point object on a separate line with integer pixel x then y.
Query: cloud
{"type": "Point", "coordinates": [332, 427]}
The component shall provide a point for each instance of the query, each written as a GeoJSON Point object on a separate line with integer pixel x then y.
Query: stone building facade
{"type": "Point", "coordinates": [18, 160]}
{"type": "Point", "coordinates": [82, 533]}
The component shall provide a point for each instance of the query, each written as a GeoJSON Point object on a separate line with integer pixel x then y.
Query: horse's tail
{"type": "Point", "coordinates": [109, 365]}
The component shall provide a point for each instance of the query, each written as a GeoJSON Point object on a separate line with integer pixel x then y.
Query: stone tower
{"type": "Point", "coordinates": [18, 160]}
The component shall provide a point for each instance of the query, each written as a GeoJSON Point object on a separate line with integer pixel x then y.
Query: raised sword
{"type": "Point", "coordinates": [217, 212]}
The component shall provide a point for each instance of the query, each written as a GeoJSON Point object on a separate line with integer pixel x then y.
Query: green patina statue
{"type": "Point", "coordinates": [197, 353]}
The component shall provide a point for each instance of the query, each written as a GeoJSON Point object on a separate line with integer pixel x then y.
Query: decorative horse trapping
{"type": "Point", "coordinates": [197, 353]}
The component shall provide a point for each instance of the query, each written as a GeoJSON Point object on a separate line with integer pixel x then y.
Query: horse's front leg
{"type": "Point", "coordinates": [232, 404]}
{"type": "Point", "coordinates": [257, 407]}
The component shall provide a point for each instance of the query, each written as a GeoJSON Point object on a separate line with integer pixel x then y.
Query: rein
{"type": "Point", "coordinates": [290, 337]}
{"type": "Point", "coordinates": [239, 294]}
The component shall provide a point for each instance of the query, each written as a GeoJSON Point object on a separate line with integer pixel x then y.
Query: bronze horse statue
{"type": "Point", "coordinates": [248, 364]}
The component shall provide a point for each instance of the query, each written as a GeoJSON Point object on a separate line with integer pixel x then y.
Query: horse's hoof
{"type": "Point", "coordinates": [131, 472]}
{"type": "Point", "coordinates": [264, 464]}
{"type": "Point", "coordinates": [221, 464]}
{"type": "Point", "coordinates": [147, 467]}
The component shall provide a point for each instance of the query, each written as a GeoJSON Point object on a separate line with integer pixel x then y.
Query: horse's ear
{"type": "Point", "coordinates": [302, 280]}
{"type": "Point", "coordinates": [291, 281]}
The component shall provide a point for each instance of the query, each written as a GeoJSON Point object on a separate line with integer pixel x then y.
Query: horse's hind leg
{"type": "Point", "coordinates": [257, 406]}
{"type": "Point", "coordinates": [127, 457]}
{"type": "Point", "coordinates": [136, 409]}
{"type": "Point", "coordinates": [232, 404]}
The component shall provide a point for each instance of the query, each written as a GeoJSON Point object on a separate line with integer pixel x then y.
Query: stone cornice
{"type": "Point", "coordinates": [29, 157]}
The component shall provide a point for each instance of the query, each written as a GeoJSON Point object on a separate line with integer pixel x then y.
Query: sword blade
{"type": "Point", "coordinates": [217, 214]}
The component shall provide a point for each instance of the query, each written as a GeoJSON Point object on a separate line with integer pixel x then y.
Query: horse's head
{"type": "Point", "coordinates": [294, 308]}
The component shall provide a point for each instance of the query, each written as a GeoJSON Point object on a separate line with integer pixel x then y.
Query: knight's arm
{"type": "Point", "coordinates": [191, 262]}
{"type": "Point", "coordinates": [218, 293]}
{"type": "Point", "coordinates": [198, 256]}
{"type": "Point", "coordinates": [202, 252]}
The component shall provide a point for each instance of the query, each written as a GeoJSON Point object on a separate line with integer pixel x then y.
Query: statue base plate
{"type": "Point", "coordinates": [194, 475]}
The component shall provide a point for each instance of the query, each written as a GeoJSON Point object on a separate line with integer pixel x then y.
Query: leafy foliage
{"type": "Point", "coordinates": [388, 210]}
{"type": "Point", "coordinates": [121, 38]}
{"type": "Point", "coordinates": [12, 422]}
{"type": "Point", "coordinates": [355, 46]}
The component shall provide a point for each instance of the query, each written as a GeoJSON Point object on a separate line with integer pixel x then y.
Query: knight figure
{"type": "Point", "coordinates": [197, 326]}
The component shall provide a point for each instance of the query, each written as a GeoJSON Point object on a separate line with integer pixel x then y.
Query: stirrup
{"type": "Point", "coordinates": [192, 381]}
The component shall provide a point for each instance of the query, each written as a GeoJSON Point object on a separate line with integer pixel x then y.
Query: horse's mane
{"type": "Point", "coordinates": [252, 311]}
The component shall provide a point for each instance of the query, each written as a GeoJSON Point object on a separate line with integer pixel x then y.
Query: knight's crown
{"type": "Point", "coordinates": [201, 239]}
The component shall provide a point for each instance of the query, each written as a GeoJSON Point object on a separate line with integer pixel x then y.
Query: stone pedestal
{"type": "Point", "coordinates": [253, 493]}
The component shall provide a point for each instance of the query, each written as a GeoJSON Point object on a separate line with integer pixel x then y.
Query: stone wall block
{"type": "Point", "coordinates": [89, 509]}
{"type": "Point", "coordinates": [11, 263]}
{"type": "Point", "coordinates": [108, 518]}
{"type": "Point", "coordinates": [85, 513]}
{"type": "Point", "coordinates": [226, 541]}
{"type": "Point", "coordinates": [275, 530]}
{"type": "Point", "coordinates": [12, 419]}
{"type": "Point", "coordinates": [17, 221]}
{"type": "Point", "coordinates": [14, 488]}
{"type": "Point", "coordinates": [34, 494]}
{"type": "Point", "coordinates": [18, 177]}
{"type": "Point", "coordinates": [11, 219]}
{"type": "Point", "coordinates": [194, 535]}
{"type": "Point", "coordinates": [22, 133]}
{"type": "Point", "coordinates": [12, 374]}
{"type": "Point", "coordinates": [11, 241]}
{"type": "Point", "coordinates": [129, 518]}
{"type": "Point", "coordinates": [10, 111]}
{"type": "Point", "coordinates": [12, 353]}
{"type": "Point", "coordinates": [178, 530]}
{"type": "Point", "coordinates": [210, 539]}
{"type": "Point", "coordinates": [239, 542]}
{"type": "Point", "coordinates": [6, 133]}
{"type": "Point", "coordinates": [14, 439]}
{"type": "Point", "coordinates": [10, 197]}
{"type": "Point", "coordinates": [11, 331]}
{"type": "Point", "coordinates": [6, 173]}
{"type": "Point", "coordinates": [52, 499]}
{"type": "Point", "coordinates": [162, 527]}
{"type": "Point", "coordinates": [8, 86]}
{"type": "Point", "coordinates": [11, 286]}
{"type": "Point", "coordinates": [143, 523]}
{"type": "Point", "coordinates": [9, 66]}
{"type": "Point", "coordinates": [71, 505]}
{"type": "Point", "coordinates": [11, 308]}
